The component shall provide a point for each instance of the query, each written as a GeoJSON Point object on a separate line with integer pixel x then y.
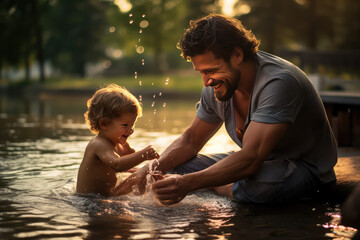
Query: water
{"type": "Point", "coordinates": [41, 146]}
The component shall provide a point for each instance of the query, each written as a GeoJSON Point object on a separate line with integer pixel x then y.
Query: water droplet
{"type": "Point", "coordinates": [153, 104]}
{"type": "Point", "coordinates": [160, 94]}
{"type": "Point", "coordinates": [167, 81]}
{"type": "Point", "coordinates": [144, 24]}
{"type": "Point", "coordinates": [140, 31]}
{"type": "Point", "coordinates": [139, 39]}
{"type": "Point", "coordinates": [140, 83]}
{"type": "Point", "coordinates": [152, 84]}
{"type": "Point", "coordinates": [112, 29]}
{"type": "Point", "coordinates": [154, 111]}
{"type": "Point", "coordinates": [140, 49]}
{"type": "Point", "coordinates": [135, 75]}
{"type": "Point", "coordinates": [142, 62]}
{"type": "Point", "coordinates": [164, 104]}
{"type": "Point", "coordinates": [143, 15]}
{"type": "Point", "coordinates": [130, 15]}
{"type": "Point", "coordinates": [140, 98]}
{"type": "Point", "coordinates": [154, 96]}
{"type": "Point", "coordinates": [131, 21]}
{"type": "Point", "coordinates": [164, 119]}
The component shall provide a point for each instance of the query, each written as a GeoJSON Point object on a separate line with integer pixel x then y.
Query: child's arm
{"type": "Point", "coordinates": [110, 157]}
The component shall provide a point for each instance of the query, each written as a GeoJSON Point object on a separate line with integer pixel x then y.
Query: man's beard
{"type": "Point", "coordinates": [230, 88]}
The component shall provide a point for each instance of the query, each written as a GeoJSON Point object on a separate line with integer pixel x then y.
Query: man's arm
{"type": "Point", "coordinates": [187, 145]}
{"type": "Point", "coordinates": [259, 140]}
{"type": "Point", "coordinates": [181, 150]}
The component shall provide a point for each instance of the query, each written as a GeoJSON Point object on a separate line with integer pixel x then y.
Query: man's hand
{"type": "Point", "coordinates": [170, 190]}
{"type": "Point", "coordinates": [136, 182]}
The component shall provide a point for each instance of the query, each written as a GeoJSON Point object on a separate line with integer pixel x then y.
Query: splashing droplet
{"type": "Point", "coordinates": [164, 104]}
{"type": "Point", "coordinates": [167, 81]}
{"type": "Point", "coordinates": [135, 75]}
{"type": "Point", "coordinates": [140, 49]}
{"type": "Point", "coordinates": [140, 83]}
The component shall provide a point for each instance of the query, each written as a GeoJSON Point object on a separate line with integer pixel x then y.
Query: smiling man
{"type": "Point", "coordinates": [270, 110]}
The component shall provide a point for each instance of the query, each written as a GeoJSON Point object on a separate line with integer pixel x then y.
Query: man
{"type": "Point", "coordinates": [270, 110]}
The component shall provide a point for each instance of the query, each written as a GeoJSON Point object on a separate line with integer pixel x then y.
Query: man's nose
{"type": "Point", "coordinates": [206, 80]}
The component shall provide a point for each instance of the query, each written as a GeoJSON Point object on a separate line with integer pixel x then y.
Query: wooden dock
{"type": "Point", "coordinates": [343, 111]}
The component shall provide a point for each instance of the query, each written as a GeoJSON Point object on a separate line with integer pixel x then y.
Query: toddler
{"type": "Point", "coordinates": [112, 113]}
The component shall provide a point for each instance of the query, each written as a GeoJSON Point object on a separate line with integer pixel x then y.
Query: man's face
{"type": "Point", "coordinates": [218, 74]}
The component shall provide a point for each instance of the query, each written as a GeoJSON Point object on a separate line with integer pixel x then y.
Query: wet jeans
{"type": "Point", "coordinates": [278, 180]}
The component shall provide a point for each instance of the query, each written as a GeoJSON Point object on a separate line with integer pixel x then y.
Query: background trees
{"type": "Point", "coordinates": [121, 35]}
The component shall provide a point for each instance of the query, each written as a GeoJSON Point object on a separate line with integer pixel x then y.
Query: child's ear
{"type": "Point", "coordinates": [103, 124]}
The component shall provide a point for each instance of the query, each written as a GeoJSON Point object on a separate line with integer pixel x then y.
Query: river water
{"type": "Point", "coordinates": [42, 141]}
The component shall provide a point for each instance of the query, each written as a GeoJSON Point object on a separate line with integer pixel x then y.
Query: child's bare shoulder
{"type": "Point", "coordinates": [98, 143]}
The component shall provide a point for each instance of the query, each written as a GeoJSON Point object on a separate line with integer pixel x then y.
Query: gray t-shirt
{"type": "Point", "coordinates": [282, 93]}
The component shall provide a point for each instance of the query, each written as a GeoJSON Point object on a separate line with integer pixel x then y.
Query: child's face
{"type": "Point", "coordinates": [121, 128]}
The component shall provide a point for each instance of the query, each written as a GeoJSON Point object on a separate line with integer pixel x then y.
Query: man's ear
{"type": "Point", "coordinates": [238, 55]}
{"type": "Point", "coordinates": [103, 124]}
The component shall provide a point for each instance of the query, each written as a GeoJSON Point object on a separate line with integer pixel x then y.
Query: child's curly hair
{"type": "Point", "coordinates": [108, 103]}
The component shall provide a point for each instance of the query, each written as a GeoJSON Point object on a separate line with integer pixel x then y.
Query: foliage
{"type": "Point", "coordinates": [74, 32]}
{"type": "Point", "coordinates": [143, 37]}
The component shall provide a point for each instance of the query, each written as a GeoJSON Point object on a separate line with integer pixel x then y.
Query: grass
{"type": "Point", "coordinates": [176, 82]}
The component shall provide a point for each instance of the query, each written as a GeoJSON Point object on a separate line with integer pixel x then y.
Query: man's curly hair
{"type": "Point", "coordinates": [108, 103]}
{"type": "Point", "coordinates": [220, 35]}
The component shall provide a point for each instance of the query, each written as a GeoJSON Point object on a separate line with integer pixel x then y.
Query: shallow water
{"type": "Point", "coordinates": [41, 146]}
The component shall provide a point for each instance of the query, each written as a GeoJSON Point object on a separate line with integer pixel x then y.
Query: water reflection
{"type": "Point", "coordinates": [40, 152]}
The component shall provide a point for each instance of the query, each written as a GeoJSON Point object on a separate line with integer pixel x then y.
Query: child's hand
{"type": "Point", "coordinates": [149, 153]}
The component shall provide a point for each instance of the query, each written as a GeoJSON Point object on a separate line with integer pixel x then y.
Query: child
{"type": "Point", "coordinates": [112, 112]}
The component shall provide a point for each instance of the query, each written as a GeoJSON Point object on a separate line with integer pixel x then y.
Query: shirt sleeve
{"type": "Point", "coordinates": [206, 107]}
{"type": "Point", "coordinates": [279, 101]}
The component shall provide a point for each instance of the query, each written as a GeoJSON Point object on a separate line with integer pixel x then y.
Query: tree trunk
{"type": "Point", "coordinates": [39, 40]}
{"type": "Point", "coordinates": [27, 67]}
{"type": "Point", "coordinates": [312, 27]}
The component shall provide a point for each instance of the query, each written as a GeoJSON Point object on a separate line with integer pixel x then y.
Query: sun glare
{"type": "Point", "coordinates": [234, 8]}
{"type": "Point", "coordinates": [124, 5]}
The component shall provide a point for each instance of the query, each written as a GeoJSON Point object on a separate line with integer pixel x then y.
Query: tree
{"type": "Point", "coordinates": [74, 32]}
{"type": "Point", "coordinates": [20, 33]}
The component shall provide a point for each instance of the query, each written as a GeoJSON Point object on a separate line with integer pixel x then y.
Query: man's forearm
{"type": "Point", "coordinates": [180, 151]}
